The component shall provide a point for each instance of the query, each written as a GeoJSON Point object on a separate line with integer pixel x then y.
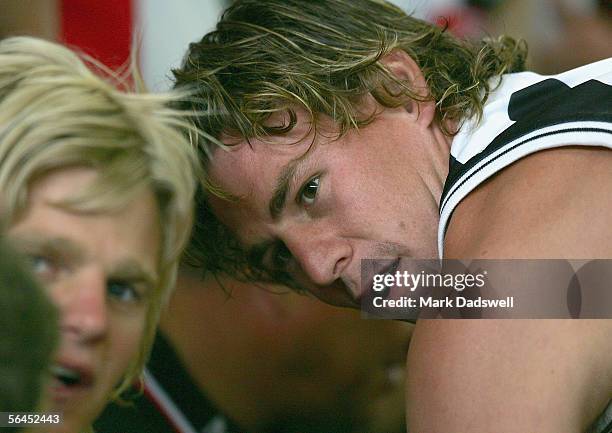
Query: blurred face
{"type": "Point", "coordinates": [100, 270]}
{"type": "Point", "coordinates": [316, 210]}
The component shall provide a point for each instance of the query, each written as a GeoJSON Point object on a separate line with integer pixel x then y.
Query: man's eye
{"type": "Point", "coordinates": [281, 257]}
{"type": "Point", "coordinates": [43, 267]}
{"type": "Point", "coordinates": [309, 191]}
{"type": "Point", "coordinates": [123, 291]}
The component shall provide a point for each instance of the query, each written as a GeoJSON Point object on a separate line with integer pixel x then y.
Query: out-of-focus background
{"type": "Point", "coordinates": [561, 33]}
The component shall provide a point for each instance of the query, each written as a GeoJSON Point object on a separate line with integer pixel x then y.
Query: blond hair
{"type": "Point", "coordinates": [56, 111]}
{"type": "Point", "coordinates": [266, 56]}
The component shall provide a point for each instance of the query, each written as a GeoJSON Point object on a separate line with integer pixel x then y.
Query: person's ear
{"type": "Point", "coordinates": [404, 68]}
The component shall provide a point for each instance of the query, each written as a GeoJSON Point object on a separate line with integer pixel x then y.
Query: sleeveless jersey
{"type": "Point", "coordinates": [525, 114]}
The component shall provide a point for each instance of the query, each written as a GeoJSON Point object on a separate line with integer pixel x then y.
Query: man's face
{"type": "Point", "coordinates": [316, 213]}
{"type": "Point", "coordinates": [100, 269]}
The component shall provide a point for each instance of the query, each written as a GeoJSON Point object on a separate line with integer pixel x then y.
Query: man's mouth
{"type": "Point", "coordinates": [66, 376]}
{"type": "Point", "coordinates": [69, 379]}
{"type": "Point", "coordinates": [386, 267]}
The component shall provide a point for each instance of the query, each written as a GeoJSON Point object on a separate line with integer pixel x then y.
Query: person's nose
{"type": "Point", "coordinates": [322, 255]}
{"type": "Point", "coordinates": [82, 301]}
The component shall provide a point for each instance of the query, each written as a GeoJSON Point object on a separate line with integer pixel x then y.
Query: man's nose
{"type": "Point", "coordinates": [322, 255]}
{"type": "Point", "coordinates": [82, 301]}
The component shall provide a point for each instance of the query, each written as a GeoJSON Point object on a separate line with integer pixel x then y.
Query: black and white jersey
{"type": "Point", "coordinates": [525, 114]}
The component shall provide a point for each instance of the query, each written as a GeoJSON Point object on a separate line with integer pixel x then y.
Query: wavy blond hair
{"type": "Point", "coordinates": [266, 56]}
{"type": "Point", "coordinates": [56, 111]}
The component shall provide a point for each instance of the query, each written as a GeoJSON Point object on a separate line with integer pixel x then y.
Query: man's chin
{"type": "Point", "coordinates": [75, 417]}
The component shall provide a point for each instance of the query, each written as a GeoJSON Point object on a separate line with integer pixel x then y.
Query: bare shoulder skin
{"type": "Point", "coordinates": [521, 375]}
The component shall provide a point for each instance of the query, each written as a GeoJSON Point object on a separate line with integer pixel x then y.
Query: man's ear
{"type": "Point", "coordinates": [404, 68]}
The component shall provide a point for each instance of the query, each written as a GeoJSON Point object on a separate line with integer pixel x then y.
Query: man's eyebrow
{"type": "Point", "coordinates": [57, 246]}
{"type": "Point", "coordinates": [279, 195]}
{"type": "Point", "coordinates": [133, 271]}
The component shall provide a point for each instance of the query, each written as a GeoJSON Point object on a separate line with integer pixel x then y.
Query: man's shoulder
{"type": "Point", "coordinates": [508, 375]}
{"type": "Point", "coordinates": [554, 203]}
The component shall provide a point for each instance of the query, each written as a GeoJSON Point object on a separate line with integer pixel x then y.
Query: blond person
{"type": "Point", "coordinates": [96, 189]}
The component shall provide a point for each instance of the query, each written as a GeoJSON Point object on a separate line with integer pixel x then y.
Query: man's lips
{"type": "Point", "coordinates": [387, 266]}
{"type": "Point", "coordinates": [70, 377]}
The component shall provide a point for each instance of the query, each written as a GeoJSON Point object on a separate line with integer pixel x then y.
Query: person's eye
{"type": "Point", "coordinates": [308, 193]}
{"type": "Point", "coordinates": [43, 267]}
{"type": "Point", "coordinates": [281, 256]}
{"type": "Point", "coordinates": [123, 291]}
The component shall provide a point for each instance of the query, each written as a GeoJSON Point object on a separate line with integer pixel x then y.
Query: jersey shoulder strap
{"type": "Point", "coordinates": [528, 113]}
